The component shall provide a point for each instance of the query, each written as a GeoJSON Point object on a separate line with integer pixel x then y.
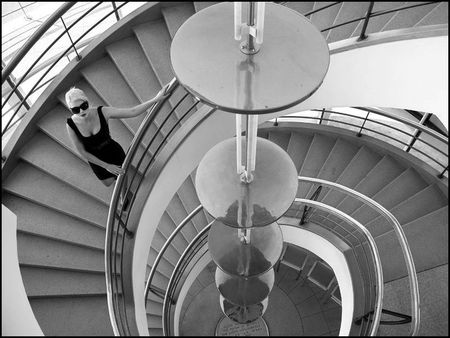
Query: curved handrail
{"type": "Point", "coordinates": [378, 270]}
{"type": "Point", "coordinates": [433, 134]}
{"type": "Point", "coordinates": [414, 285]}
{"type": "Point", "coordinates": [35, 38]}
{"type": "Point", "coordinates": [171, 284]}
{"type": "Point", "coordinates": [113, 256]}
{"type": "Point", "coordinates": [165, 246]}
{"type": "Point", "coordinates": [58, 14]}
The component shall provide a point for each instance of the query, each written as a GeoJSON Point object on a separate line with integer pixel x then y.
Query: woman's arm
{"type": "Point", "coordinates": [115, 169]}
{"type": "Point", "coordinates": [119, 113]}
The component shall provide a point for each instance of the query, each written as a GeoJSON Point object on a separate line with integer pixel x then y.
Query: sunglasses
{"type": "Point", "coordinates": [84, 106]}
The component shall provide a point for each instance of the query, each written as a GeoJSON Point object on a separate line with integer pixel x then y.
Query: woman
{"type": "Point", "coordinates": [89, 132]}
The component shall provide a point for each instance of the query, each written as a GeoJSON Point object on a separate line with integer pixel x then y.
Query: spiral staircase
{"type": "Point", "coordinates": [62, 209]}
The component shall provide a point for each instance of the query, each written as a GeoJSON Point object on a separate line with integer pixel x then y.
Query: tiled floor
{"type": "Point", "coordinates": [294, 308]}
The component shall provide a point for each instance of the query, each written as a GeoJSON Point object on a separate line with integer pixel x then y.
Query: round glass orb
{"type": "Point", "coordinates": [245, 205]}
{"type": "Point", "coordinates": [245, 291]}
{"type": "Point", "coordinates": [245, 252]}
{"type": "Point", "coordinates": [243, 314]}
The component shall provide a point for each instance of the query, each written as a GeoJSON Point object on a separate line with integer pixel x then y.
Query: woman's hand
{"type": "Point", "coordinates": [115, 169]}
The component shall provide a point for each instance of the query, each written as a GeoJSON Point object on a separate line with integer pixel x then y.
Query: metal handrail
{"type": "Point", "coordinates": [378, 269]}
{"type": "Point", "coordinates": [414, 285]}
{"type": "Point", "coordinates": [58, 14]}
{"type": "Point", "coordinates": [171, 285]}
{"type": "Point", "coordinates": [112, 228]}
{"type": "Point", "coordinates": [165, 246]}
{"type": "Point", "coordinates": [426, 130]}
{"type": "Point", "coordinates": [35, 38]}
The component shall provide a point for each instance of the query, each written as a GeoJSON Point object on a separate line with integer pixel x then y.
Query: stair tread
{"type": "Point", "coordinates": [172, 253]}
{"type": "Point", "coordinates": [40, 282]}
{"type": "Point", "coordinates": [408, 17]}
{"type": "Point", "coordinates": [176, 211]}
{"type": "Point", "coordinates": [323, 18]}
{"type": "Point", "coordinates": [51, 157]}
{"type": "Point", "coordinates": [280, 138]}
{"type": "Point", "coordinates": [299, 144]}
{"type": "Point", "coordinates": [53, 316]}
{"type": "Point", "coordinates": [423, 202]}
{"type": "Point", "coordinates": [347, 12]}
{"type": "Point", "coordinates": [199, 5]}
{"type": "Point", "coordinates": [44, 252]}
{"type": "Point", "coordinates": [131, 61]}
{"type": "Point", "coordinates": [188, 195]}
{"type": "Point", "coordinates": [39, 220]}
{"type": "Point", "coordinates": [28, 182]}
{"type": "Point", "coordinates": [428, 241]}
{"type": "Point", "coordinates": [175, 16]}
{"type": "Point", "coordinates": [438, 15]}
{"type": "Point", "coordinates": [166, 227]}
{"type": "Point", "coordinates": [405, 185]}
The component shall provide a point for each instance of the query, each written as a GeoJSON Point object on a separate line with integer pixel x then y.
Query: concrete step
{"type": "Point", "coordinates": [338, 159]}
{"type": "Point", "coordinates": [35, 185]}
{"type": "Point", "coordinates": [153, 34]}
{"type": "Point", "coordinates": [302, 7]}
{"type": "Point", "coordinates": [436, 16]}
{"type": "Point", "coordinates": [297, 149]}
{"type": "Point", "coordinates": [347, 12]}
{"type": "Point", "coordinates": [38, 220]}
{"type": "Point", "coordinates": [69, 316]}
{"type": "Point", "coordinates": [280, 138]}
{"type": "Point", "coordinates": [176, 211]}
{"type": "Point", "coordinates": [381, 175]}
{"type": "Point", "coordinates": [166, 227]}
{"type": "Point", "coordinates": [132, 63]}
{"type": "Point", "coordinates": [175, 16]}
{"type": "Point", "coordinates": [44, 252]}
{"type": "Point", "coordinates": [318, 153]}
{"type": "Point", "coordinates": [154, 322]}
{"type": "Point", "coordinates": [364, 160]}
{"type": "Point", "coordinates": [172, 253]}
{"type": "Point", "coordinates": [378, 22]}
{"type": "Point", "coordinates": [164, 266]}
{"type": "Point", "coordinates": [189, 198]}
{"type": "Point", "coordinates": [49, 156]}
{"type": "Point", "coordinates": [400, 189]}
{"type": "Point", "coordinates": [324, 18]}
{"type": "Point", "coordinates": [199, 5]}
{"type": "Point", "coordinates": [428, 239]}
{"type": "Point", "coordinates": [44, 282]}
{"type": "Point", "coordinates": [154, 307]}
{"type": "Point", "coordinates": [424, 202]}
{"type": "Point", "coordinates": [408, 17]}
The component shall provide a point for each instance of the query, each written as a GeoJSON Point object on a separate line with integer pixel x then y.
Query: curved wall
{"type": "Point", "coordinates": [405, 74]}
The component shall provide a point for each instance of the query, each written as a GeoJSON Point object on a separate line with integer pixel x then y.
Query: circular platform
{"type": "Point", "coordinates": [226, 327]}
{"type": "Point", "coordinates": [289, 67]}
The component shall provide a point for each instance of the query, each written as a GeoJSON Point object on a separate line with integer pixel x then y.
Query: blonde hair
{"type": "Point", "coordinates": [74, 94]}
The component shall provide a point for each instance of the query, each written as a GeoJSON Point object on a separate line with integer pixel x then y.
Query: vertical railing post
{"type": "Point", "coordinates": [321, 116]}
{"type": "Point", "coordinates": [363, 35]}
{"type": "Point", "coordinates": [362, 126]}
{"type": "Point", "coordinates": [417, 133]}
{"type": "Point", "coordinates": [116, 12]}
{"type": "Point", "coordinates": [441, 175]}
{"type": "Point", "coordinates": [71, 41]}
{"type": "Point", "coordinates": [276, 122]}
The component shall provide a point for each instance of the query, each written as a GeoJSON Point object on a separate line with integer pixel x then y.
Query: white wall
{"type": "Point", "coordinates": [17, 316]}
{"type": "Point", "coordinates": [409, 74]}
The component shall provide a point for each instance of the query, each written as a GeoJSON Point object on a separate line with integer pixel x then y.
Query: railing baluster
{"type": "Point", "coordinates": [363, 35]}
{"type": "Point", "coordinates": [417, 133]}
{"type": "Point", "coordinates": [116, 12]}
{"type": "Point", "coordinates": [441, 175]}
{"type": "Point", "coordinates": [362, 126]}
{"type": "Point", "coordinates": [71, 41]}
{"type": "Point", "coordinates": [321, 116]}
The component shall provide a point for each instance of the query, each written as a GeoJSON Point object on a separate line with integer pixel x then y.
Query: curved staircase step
{"type": "Point", "coordinates": [41, 221]}
{"type": "Point", "coordinates": [45, 282]}
{"type": "Point", "coordinates": [32, 184]}
{"type": "Point", "coordinates": [175, 16]}
{"type": "Point", "coordinates": [68, 316]}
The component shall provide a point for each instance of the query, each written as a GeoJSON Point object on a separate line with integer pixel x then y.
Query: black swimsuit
{"type": "Point", "coordinates": [101, 145]}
